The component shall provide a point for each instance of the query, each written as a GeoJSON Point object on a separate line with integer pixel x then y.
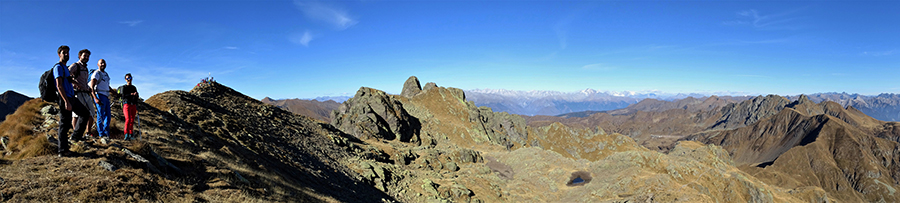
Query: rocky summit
{"type": "Point", "coordinates": [431, 144]}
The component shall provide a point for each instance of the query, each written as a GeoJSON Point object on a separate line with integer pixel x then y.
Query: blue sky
{"type": "Point", "coordinates": [305, 49]}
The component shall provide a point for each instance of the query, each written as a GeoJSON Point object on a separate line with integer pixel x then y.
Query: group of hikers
{"type": "Point", "coordinates": [86, 94]}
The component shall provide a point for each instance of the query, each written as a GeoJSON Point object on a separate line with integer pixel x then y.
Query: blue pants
{"type": "Point", "coordinates": [103, 118]}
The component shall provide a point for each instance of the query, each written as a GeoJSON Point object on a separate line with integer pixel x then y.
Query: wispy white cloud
{"type": "Point", "coordinates": [878, 53]}
{"type": "Point", "coordinates": [230, 47]}
{"type": "Point", "coordinates": [131, 23]}
{"type": "Point", "coordinates": [330, 14]}
{"type": "Point", "coordinates": [302, 39]}
{"type": "Point", "coordinates": [778, 21]}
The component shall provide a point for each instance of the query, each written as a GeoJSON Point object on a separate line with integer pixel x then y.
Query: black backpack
{"type": "Point", "coordinates": [121, 98]}
{"type": "Point", "coordinates": [48, 86]}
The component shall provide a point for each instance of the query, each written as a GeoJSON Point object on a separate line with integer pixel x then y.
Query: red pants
{"type": "Point", "coordinates": [130, 111]}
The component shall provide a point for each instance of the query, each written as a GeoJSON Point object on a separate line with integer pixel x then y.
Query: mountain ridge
{"type": "Point", "coordinates": [320, 110]}
{"type": "Point", "coordinates": [429, 144]}
{"type": "Point", "coordinates": [10, 101]}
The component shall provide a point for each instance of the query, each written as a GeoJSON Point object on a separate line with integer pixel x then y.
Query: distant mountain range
{"type": "Point", "coordinates": [338, 99]}
{"type": "Point", "coordinates": [313, 108]}
{"type": "Point", "coordinates": [9, 102]}
{"type": "Point", "coordinates": [556, 102]}
{"type": "Point", "coordinates": [884, 107]}
{"type": "Point", "coordinates": [582, 103]}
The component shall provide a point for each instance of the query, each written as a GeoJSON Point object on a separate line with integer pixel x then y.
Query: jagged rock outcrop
{"type": "Point", "coordinates": [374, 113]}
{"type": "Point", "coordinates": [501, 128]}
{"type": "Point", "coordinates": [428, 86]}
{"type": "Point", "coordinates": [411, 87]}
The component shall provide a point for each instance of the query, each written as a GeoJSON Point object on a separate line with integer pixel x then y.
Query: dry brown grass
{"type": "Point", "coordinates": [19, 127]}
{"type": "Point", "coordinates": [79, 179]}
{"type": "Point", "coordinates": [140, 147]}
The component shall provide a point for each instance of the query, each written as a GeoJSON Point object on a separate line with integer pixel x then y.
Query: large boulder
{"type": "Point", "coordinates": [411, 87]}
{"type": "Point", "coordinates": [374, 113]}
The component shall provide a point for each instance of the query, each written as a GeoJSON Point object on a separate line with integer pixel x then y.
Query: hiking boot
{"type": "Point", "coordinates": [74, 142]}
{"type": "Point", "coordinates": [76, 139]}
{"type": "Point", "coordinates": [104, 140]}
{"type": "Point", "coordinates": [67, 153]}
{"type": "Point", "coordinates": [127, 137]}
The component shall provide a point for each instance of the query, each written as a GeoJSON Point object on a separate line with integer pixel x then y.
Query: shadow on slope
{"type": "Point", "coordinates": [821, 145]}
{"type": "Point", "coordinates": [285, 154]}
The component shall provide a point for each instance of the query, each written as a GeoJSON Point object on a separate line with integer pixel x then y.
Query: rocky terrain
{"type": "Point", "coordinates": [432, 144]}
{"type": "Point", "coordinates": [426, 131]}
{"type": "Point", "coordinates": [776, 139]}
{"type": "Point", "coordinates": [9, 102]}
{"type": "Point", "coordinates": [320, 110]}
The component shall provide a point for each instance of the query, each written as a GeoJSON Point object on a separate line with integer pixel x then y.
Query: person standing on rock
{"type": "Point", "coordinates": [130, 98]}
{"type": "Point", "coordinates": [100, 91]}
{"type": "Point", "coordinates": [79, 71]}
{"type": "Point", "coordinates": [67, 103]}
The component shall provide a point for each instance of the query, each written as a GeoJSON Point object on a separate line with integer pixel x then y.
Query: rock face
{"type": "Point", "coordinates": [429, 85]}
{"type": "Point", "coordinates": [9, 102]}
{"type": "Point", "coordinates": [411, 87]}
{"type": "Point", "coordinates": [748, 112]}
{"type": "Point", "coordinates": [374, 113]}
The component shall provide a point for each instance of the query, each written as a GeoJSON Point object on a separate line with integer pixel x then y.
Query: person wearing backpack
{"type": "Point", "coordinates": [100, 91]}
{"type": "Point", "coordinates": [130, 98]}
{"type": "Point", "coordinates": [80, 72]}
{"type": "Point", "coordinates": [67, 103]}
